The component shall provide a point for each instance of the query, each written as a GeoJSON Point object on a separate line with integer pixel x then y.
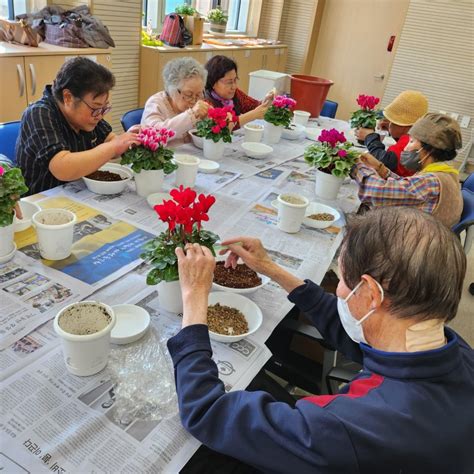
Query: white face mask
{"type": "Point", "coordinates": [351, 325]}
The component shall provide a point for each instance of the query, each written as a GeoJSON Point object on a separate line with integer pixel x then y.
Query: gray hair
{"type": "Point", "coordinates": [180, 69]}
{"type": "Point", "coordinates": [419, 262]}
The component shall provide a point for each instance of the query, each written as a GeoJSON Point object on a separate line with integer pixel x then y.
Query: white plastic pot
{"type": "Point", "coordinates": [170, 297]}
{"type": "Point", "coordinates": [187, 170]}
{"type": "Point", "coordinates": [327, 185]}
{"type": "Point", "coordinates": [272, 133]}
{"type": "Point", "coordinates": [253, 132]}
{"type": "Point", "coordinates": [291, 214]}
{"type": "Point", "coordinates": [148, 182]}
{"type": "Point", "coordinates": [213, 150]}
{"type": "Point", "coordinates": [6, 240]}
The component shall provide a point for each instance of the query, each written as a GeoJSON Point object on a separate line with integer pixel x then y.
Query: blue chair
{"type": "Point", "coordinates": [130, 118]}
{"type": "Point", "coordinates": [467, 219]}
{"type": "Point", "coordinates": [9, 132]}
{"type": "Point", "coordinates": [469, 183]}
{"type": "Point", "coordinates": [329, 109]}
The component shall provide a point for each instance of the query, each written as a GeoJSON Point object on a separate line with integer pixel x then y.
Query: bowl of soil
{"type": "Point", "coordinates": [197, 140]}
{"type": "Point", "coordinates": [320, 216]}
{"type": "Point", "coordinates": [232, 317]}
{"type": "Point", "coordinates": [241, 279]}
{"type": "Point", "coordinates": [111, 178]}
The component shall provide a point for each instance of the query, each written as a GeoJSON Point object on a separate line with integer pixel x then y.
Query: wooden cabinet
{"type": "Point", "coordinates": [248, 59]}
{"type": "Point", "coordinates": [24, 72]}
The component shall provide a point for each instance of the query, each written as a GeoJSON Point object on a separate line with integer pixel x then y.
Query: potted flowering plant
{"type": "Point", "coordinates": [150, 160]}
{"type": "Point", "coordinates": [277, 117]}
{"type": "Point", "coordinates": [217, 20]}
{"type": "Point", "coordinates": [366, 116]}
{"type": "Point", "coordinates": [333, 158]}
{"type": "Point", "coordinates": [215, 130]}
{"type": "Point", "coordinates": [184, 215]}
{"type": "Point", "coordinates": [12, 186]}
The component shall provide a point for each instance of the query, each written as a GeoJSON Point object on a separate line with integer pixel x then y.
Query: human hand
{"type": "Point", "coordinates": [370, 161]}
{"type": "Point", "coordinates": [123, 142]}
{"type": "Point", "coordinates": [383, 124]}
{"type": "Point", "coordinates": [18, 212]}
{"type": "Point", "coordinates": [259, 111]}
{"type": "Point", "coordinates": [268, 99]}
{"type": "Point", "coordinates": [196, 269]}
{"type": "Point", "coordinates": [251, 251]}
{"type": "Point", "coordinates": [200, 109]}
{"type": "Point", "coordinates": [135, 128]}
{"type": "Point", "coordinates": [361, 133]}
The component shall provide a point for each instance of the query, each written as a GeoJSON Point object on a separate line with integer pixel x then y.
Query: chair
{"type": "Point", "coordinates": [329, 109]}
{"type": "Point", "coordinates": [130, 118]}
{"type": "Point", "coordinates": [467, 217]}
{"type": "Point", "coordinates": [469, 183]}
{"type": "Point", "coordinates": [9, 132]}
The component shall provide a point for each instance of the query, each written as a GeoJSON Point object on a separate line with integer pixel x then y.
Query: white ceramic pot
{"type": "Point", "coordinates": [187, 170]}
{"type": "Point", "coordinates": [291, 211]}
{"type": "Point", "coordinates": [272, 133]}
{"type": "Point", "coordinates": [170, 297]}
{"type": "Point", "coordinates": [55, 230]}
{"type": "Point", "coordinates": [253, 132]}
{"type": "Point", "coordinates": [85, 354]}
{"type": "Point", "coordinates": [149, 182]}
{"type": "Point", "coordinates": [6, 239]}
{"type": "Point", "coordinates": [213, 150]}
{"type": "Point", "coordinates": [327, 185]}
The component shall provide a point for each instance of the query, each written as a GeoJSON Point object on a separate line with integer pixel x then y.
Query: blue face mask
{"type": "Point", "coordinates": [351, 325]}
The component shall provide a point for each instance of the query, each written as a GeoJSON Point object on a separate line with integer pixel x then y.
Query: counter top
{"type": "Point", "coordinates": [46, 49]}
{"type": "Point", "coordinates": [212, 47]}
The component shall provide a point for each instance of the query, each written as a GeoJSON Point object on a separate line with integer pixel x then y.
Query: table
{"type": "Point", "coordinates": [53, 421]}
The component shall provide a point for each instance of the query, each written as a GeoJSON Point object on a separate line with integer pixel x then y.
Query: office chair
{"type": "Point", "coordinates": [130, 118]}
{"type": "Point", "coordinates": [469, 183]}
{"type": "Point", "coordinates": [467, 217]}
{"type": "Point", "coordinates": [9, 132]}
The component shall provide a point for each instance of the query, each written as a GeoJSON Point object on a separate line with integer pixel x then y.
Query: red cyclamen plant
{"type": "Point", "coordinates": [218, 124]}
{"type": "Point", "coordinates": [184, 215]}
{"type": "Point", "coordinates": [366, 116]}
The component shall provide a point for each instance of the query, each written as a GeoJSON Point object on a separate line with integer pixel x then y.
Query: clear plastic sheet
{"type": "Point", "coordinates": [143, 379]}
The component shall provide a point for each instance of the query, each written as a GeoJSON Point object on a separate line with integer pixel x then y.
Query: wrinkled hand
{"type": "Point", "coordinates": [361, 133]}
{"type": "Point", "coordinates": [268, 99]}
{"type": "Point", "coordinates": [123, 142]}
{"type": "Point", "coordinates": [196, 269]}
{"type": "Point", "coordinates": [200, 109]}
{"type": "Point", "coordinates": [370, 161]}
{"type": "Point", "coordinates": [251, 251]}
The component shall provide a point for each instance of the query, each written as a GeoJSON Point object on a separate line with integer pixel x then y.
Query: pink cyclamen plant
{"type": "Point", "coordinates": [280, 112]}
{"type": "Point", "coordinates": [152, 138]}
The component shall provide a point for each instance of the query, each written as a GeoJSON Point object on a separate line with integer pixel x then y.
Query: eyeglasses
{"type": "Point", "coordinates": [189, 97]}
{"type": "Point", "coordinates": [99, 111]}
{"type": "Point", "coordinates": [229, 82]}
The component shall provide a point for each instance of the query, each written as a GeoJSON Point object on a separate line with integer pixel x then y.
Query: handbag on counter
{"type": "Point", "coordinates": [19, 32]}
{"type": "Point", "coordinates": [174, 33]}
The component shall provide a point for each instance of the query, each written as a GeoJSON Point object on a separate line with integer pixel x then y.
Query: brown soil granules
{"type": "Point", "coordinates": [323, 216]}
{"type": "Point", "coordinates": [240, 277]}
{"type": "Point", "coordinates": [226, 320]}
{"type": "Point", "coordinates": [105, 176]}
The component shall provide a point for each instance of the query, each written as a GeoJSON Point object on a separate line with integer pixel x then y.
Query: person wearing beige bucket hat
{"type": "Point", "coordinates": [401, 114]}
{"type": "Point", "coordinates": [434, 188]}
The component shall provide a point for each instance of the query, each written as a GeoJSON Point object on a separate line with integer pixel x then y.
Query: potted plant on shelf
{"type": "Point", "coordinates": [184, 215]}
{"type": "Point", "coordinates": [217, 20]}
{"type": "Point", "coordinates": [193, 22]}
{"type": "Point", "coordinates": [12, 186]}
{"type": "Point", "coordinates": [150, 160]}
{"type": "Point", "coordinates": [333, 158]}
{"type": "Point", "coordinates": [185, 10]}
{"type": "Point", "coordinates": [215, 130]}
{"type": "Point", "coordinates": [366, 116]}
{"type": "Point", "coordinates": [277, 117]}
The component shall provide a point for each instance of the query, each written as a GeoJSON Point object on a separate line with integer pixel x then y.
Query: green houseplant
{"type": "Point", "coordinates": [218, 20]}
{"type": "Point", "coordinates": [185, 10]}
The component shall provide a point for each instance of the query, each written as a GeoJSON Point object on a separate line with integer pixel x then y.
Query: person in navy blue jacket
{"type": "Point", "coordinates": [410, 410]}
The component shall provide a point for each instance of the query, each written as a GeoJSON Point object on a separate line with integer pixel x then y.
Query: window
{"type": "Point", "coordinates": [10, 8]}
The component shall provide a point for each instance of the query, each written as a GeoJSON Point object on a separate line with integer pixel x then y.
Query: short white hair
{"type": "Point", "coordinates": [180, 69]}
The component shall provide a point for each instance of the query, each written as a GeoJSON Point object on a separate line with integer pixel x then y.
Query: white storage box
{"type": "Point", "coordinates": [263, 81]}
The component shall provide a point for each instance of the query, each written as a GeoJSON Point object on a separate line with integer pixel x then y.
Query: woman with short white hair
{"type": "Point", "coordinates": [181, 104]}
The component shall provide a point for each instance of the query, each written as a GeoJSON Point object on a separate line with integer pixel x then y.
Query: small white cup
{"type": "Point", "coordinates": [85, 354]}
{"type": "Point", "coordinates": [187, 170]}
{"type": "Point", "coordinates": [55, 230]}
{"type": "Point", "coordinates": [291, 211]}
{"type": "Point", "coordinates": [301, 117]}
{"type": "Point", "coordinates": [253, 133]}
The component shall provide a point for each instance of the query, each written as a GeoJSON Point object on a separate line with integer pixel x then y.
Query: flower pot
{"type": "Point", "coordinates": [169, 296]}
{"type": "Point", "coordinates": [213, 150]}
{"type": "Point", "coordinates": [84, 329]}
{"type": "Point", "coordinates": [291, 211]}
{"type": "Point", "coordinates": [217, 27]}
{"type": "Point", "coordinates": [148, 182]}
{"type": "Point", "coordinates": [55, 231]}
{"type": "Point", "coordinates": [187, 170]}
{"type": "Point", "coordinates": [272, 133]}
{"type": "Point", "coordinates": [327, 185]}
{"type": "Point", "coordinates": [6, 240]}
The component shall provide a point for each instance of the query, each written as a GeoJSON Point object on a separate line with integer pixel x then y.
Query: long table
{"type": "Point", "coordinates": [53, 421]}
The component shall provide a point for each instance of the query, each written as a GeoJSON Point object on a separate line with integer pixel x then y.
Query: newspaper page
{"type": "Point", "coordinates": [54, 421]}
{"type": "Point", "coordinates": [31, 294]}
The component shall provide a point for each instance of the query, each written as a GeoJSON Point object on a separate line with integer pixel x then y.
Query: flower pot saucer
{"type": "Point", "coordinates": [8, 256]}
{"type": "Point", "coordinates": [208, 166]}
{"type": "Point", "coordinates": [132, 323]}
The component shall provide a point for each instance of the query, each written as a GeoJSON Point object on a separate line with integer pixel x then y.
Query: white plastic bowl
{"type": "Point", "coordinates": [294, 131]}
{"type": "Point", "coordinates": [27, 209]}
{"type": "Point", "coordinates": [248, 308]}
{"type": "Point", "coordinates": [208, 166]}
{"type": "Point", "coordinates": [197, 141]}
{"type": "Point", "coordinates": [110, 187]}
{"type": "Point", "coordinates": [132, 323]}
{"type": "Point", "coordinates": [256, 150]}
{"type": "Point", "coordinates": [312, 133]}
{"type": "Point", "coordinates": [157, 198]}
{"type": "Point", "coordinates": [317, 208]}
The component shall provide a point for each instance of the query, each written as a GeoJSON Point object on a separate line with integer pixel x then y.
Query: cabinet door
{"type": "Point", "coordinates": [12, 88]}
{"type": "Point", "coordinates": [40, 71]}
{"type": "Point", "coordinates": [271, 59]}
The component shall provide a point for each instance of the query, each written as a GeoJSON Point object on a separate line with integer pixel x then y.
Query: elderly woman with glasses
{"type": "Point", "coordinates": [181, 104]}
{"type": "Point", "coordinates": [222, 90]}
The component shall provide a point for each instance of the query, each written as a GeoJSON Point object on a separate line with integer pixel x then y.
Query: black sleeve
{"type": "Point", "coordinates": [102, 131]}
{"type": "Point", "coordinates": [377, 148]}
